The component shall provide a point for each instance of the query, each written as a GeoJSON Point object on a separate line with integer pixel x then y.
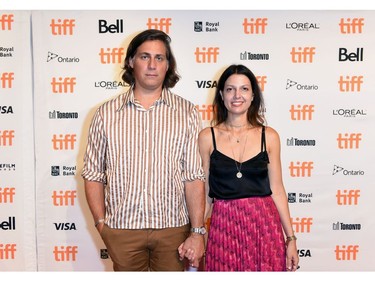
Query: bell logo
{"type": "Point", "coordinates": [350, 83]}
{"type": "Point", "coordinates": [346, 252]}
{"type": "Point", "coordinates": [9, 224]}
{"type": "Point", "coordinates": [65, 253]}
{"type": "Point", "coordinates": [302, 55]}
{"type": "Point", "coordinates": [348, 197]}
{"type": "Point", "coordinates": [348, 26]}
{"type": "Point", "coordinates": [302, 225]}
{"type": "Point", "coordinates": [349, 141]}
{"type": "Point", "coordinates": [206, 55]}
{"type": "Point", "coordinates": [118, 27]}
{"type": "Point", "coordinates": [7, 251]}
{"type": "Point", "coordinates": [344, 55]}
{"type": "Point", "coordinates": [113, 55]}
{"type": "Point", "coordinates": [6, 21]}
{"type": "Point", "coordinates": [62, 26]}
{"type": "Point", "coordinates": [254, 26]}
{"type": "Point", "coordinates": [162, 24]}
{"type": "Point", "coordinates": [6, 79]}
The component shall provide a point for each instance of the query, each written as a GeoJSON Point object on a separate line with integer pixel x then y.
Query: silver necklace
{"type": "Point", "coordinates": [239, 174]}
{"type": "Point", "coordinates": [235, 126]}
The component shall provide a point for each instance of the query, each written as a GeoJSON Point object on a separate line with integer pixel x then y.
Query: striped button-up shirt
{"type": "Point", "coordinates": [143, 158]}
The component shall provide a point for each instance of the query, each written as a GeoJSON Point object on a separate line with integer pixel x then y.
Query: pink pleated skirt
{"type": "Point", "coordinates": [245, 235]}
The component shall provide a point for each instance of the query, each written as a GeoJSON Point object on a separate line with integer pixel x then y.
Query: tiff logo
{"type": "Point", "coordinates": [162, 24]}
{"type": "Point", "coordinates": [299, 169]}
{"type": "Point", "coordinates": [348, 197]}
{"type": "Point", "coordinates": [6, 138]}
{"type": "Point", "coordinates": [301, 112]}
{"type": "Point", "coordinates": [7, 251]}
{"type": "Point", "coordinates": [62, 27]}
{"type": "Point", "coordinates": [63, 85]}
{"type": "Point", "coordinates": [348, 252]}
{"type": "Point", "coordinates": [113, 55]}
{"type": "Point", "coordinates": [350, 83]}
{"type": "Point", "coordinates": [349, 141]}
{"type": "Point", "coordinates": [302, 225]}
{"type": "Point", "coordinates": [206, 55]}
{"type": "Point", "coordinates": [351, 25]}
{"type": "Point", "coordinates": [262, 81]}
{"type": "Point", "coordinates": [254, 26]}
{"type": "Point", "coordinates": [64, 198]}
{"type": "Point", "coordinates": [64, 142]}
{"type": "Point", "coordinates": [304, 55]}
{"type": "Point", "coordinates": [206, 111]}
{"type": "Point", "coordinates": [65, 253]}
{"type": "Point", "coordinates": [6, 79]}
{"type": "Point", "coordinates": [6, 21]}
{"type": "Point", "coordinates": [7, 194]}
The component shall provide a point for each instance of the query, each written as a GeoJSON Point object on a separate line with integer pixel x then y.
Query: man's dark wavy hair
{"type": "Point", "coordinates": [171, 77]}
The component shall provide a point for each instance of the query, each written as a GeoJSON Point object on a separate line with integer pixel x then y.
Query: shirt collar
{"type": "Point", "coordinates": [128, 98]}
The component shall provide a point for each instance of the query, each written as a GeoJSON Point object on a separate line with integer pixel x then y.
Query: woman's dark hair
{"type": "Point", "coordinates": [171, 77]}
{"type": "Point", "coordinates": [255, 113]}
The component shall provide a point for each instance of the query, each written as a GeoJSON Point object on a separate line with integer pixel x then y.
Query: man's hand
{"type": "Point", "coordinates": [192, 249]}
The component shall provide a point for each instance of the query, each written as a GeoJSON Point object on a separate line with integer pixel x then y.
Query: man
{"type": "Point", "coordinates": [143, 177]}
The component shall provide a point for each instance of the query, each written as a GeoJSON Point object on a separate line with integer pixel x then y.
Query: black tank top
{"type": "Point", "coordinates": [223, 181]}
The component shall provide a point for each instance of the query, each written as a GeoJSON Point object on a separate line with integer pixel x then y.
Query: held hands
{"type": "Point", "coordinates": [192, 249]}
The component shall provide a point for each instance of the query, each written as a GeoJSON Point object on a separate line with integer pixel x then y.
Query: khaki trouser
{"type": "Point", "coordinates": [145, 250]}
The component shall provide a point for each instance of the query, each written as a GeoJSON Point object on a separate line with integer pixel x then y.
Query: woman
{"type": "Point", "coordinates": [241, 157]}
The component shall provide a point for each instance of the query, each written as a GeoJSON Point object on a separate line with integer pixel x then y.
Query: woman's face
{"type": "Point", "coordinates": [237, 94]}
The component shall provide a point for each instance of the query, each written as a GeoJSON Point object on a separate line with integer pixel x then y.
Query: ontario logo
{"type": "Point", "coordinates": [340, 170]}
{"type": "Point", "coordinates": [52, 56]}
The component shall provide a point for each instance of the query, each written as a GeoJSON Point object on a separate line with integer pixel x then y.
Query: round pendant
{"type": "Point", "coordinates": [239, 175]}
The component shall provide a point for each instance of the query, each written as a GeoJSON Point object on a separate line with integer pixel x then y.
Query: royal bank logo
{"type": "Point", "coordinates": [6, 52]}
{"type": "Point", "coordinates": [200, 26]}
{"type": "Point", "coordinates": [55, 57]}
{"type": "Point", "coordinates": [63, 171]}
{"type": "Point", "coordinates": [300, 197]}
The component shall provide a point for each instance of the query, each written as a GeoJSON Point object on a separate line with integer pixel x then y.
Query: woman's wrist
{"type": "Point", "coordinates": [290, 238]}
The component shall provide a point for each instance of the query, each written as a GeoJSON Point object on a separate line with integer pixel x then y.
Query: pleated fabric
{"type": "Point", "coordinates": [245, 235]}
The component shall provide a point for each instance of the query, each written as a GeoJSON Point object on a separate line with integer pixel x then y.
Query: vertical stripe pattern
{"type": "Point", "coordinates": [143, 157]}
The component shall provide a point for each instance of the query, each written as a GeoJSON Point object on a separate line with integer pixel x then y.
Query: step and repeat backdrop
{"type": "Point", "coordinates": [316, 70]}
